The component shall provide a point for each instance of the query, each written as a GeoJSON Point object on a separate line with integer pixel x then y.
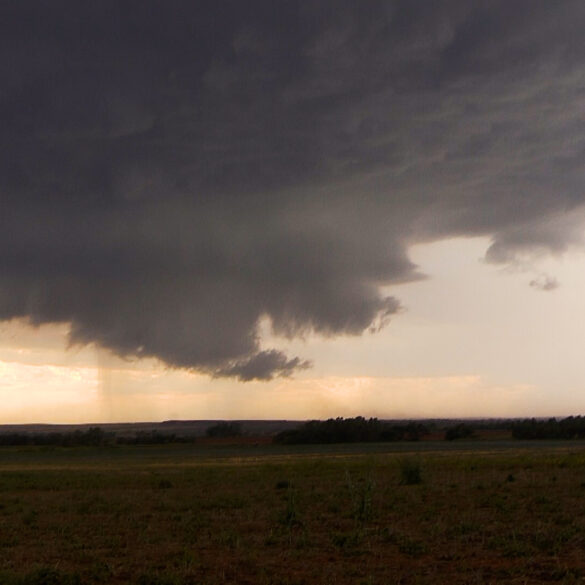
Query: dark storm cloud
{"type": "Point", "coordinates": [544, 283]}
{"type": "Point", "coordinates": [263, 365]}
{"type": "Point", "coordinates": [173, 172]}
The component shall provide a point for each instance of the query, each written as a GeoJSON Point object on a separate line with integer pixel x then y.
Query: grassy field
{"type": "Point", "coordinates": [187, 514]}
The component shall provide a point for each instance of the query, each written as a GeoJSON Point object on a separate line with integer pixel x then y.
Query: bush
{"type": "Point", "coordinates": [572, 427]}
{"type": "Point", "coordinates": [92, 437]}
{"type": "Point", "coordinates": [410, 472]}
{"type": "Point", "coordinates": [225, 429]}
{"type": "Point", "coordinates": [156, 579]}
{"type": "Point", "coordinates": [48, 576]}
{"type": "Point", "coordinates": [460, 431]}
{"type": "Point", "coordinates": [351, 430]}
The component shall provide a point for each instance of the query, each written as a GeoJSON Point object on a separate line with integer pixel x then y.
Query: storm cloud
{"type": "Point", "coordinates": [173, 173]}
{"type": "Point", "coordinates": [544, 283]}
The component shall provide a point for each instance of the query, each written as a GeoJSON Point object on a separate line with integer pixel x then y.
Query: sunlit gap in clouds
{"type": "Point", "coordinates": [47, 393]}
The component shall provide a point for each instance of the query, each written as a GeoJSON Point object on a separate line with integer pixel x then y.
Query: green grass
{"type": "Point", "coordinates": [182, 515]}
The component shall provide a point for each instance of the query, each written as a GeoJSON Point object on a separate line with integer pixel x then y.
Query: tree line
{"type": "Point", "coordinates": [351, 430]}
{"type": "Point", "coordinates": [92, 437]}
{"type": "Point", "coordinates": [97, 437]}
{"type": "Point", "coordinates": [333, 430]}
{"type": "Point", "coordinates": [572, 427]}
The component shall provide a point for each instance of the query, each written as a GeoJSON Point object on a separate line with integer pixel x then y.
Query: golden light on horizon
{"type": "Point", "coordinates": [487, 345]}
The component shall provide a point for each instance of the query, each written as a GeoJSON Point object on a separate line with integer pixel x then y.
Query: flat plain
{"type": "Point", "coordinates": [464, 513]}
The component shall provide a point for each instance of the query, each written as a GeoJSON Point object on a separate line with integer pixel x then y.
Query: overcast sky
{"type": "Point", "coordinates": [248, 209]}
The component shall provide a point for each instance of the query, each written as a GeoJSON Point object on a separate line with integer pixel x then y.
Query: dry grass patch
{"type": "Point", "coordinates": [468, 518]}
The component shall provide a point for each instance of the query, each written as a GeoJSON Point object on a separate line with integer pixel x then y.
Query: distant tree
{"type": "Point", "coordinates": [152, 438]}
{"type": "Point", "coordinates": [225, 429]}
{"type": "Point", "coordinates": [351, 430]}
{"type": "Point", "coordinates": [94, 436]}
{"type": "Point", "coordinates": [572, 427]}
{"type": "Point", "coordinates": [459, 431]}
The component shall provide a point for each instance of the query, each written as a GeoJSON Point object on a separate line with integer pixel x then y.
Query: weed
{"type": "Point", "coordinates": [510, 545]}
{"type": "Point", "coordinates": [411, 547]}
{"type": "Point", "coordinates": [49, 576]}
{"type": "Point", "coordinates": [290, 519]}
{"type": "Point", "coordinates": [7, 578]}
{"type": "Point", "coordinates": [100, 572]}
{"type": "Point", "coordinates": [156, 579]}
{"type": "Point", "coordinates": [270, 540]}
{"type": "Point", "coordinates": [228, 538]}
{"type": "Point", "coordinates": [410, 471]}
{"type": "Point", "coordinates": [361, 500]}
{"type": "Point", "coordinates": [290, 516]}
{"type": "Point", "coordinates": [567, 575]}
{"type": "Point", "coordinates": [345, 540]}
{"type": "Point", "coordinates": [387, 535]}
{"type": "Point", "coordinates": [30, 518]}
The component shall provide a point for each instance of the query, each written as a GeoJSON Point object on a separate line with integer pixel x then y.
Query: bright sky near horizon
{"type": "Point", "coordinates": [473, 340]}
{"type": "Point", "coordinates": [293, 209]}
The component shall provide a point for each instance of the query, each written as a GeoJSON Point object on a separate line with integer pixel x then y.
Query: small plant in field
{"type": "Point", "coordinates": [361, 499]}
{"type": "Point", "coordinates": [100, 572]}
{"type": "Point", "coordinates": [567, 576]}
{"type": "Point", "coordinates": [270, 540]}
{"type": "Point", "coordinates": [229, 538]}
{"type": "Point", "coordinates": [290, 516]}
{"type": "Point", "coordinates": [6, 578]}
{"type": "Point", "coordinates": [154, 579]}
{"type": "Point", "coordinates": [460, 431]}
{"type": "Point", "coordinates": [48, 576]}
{"type": "Point", "coordinates": [225, 429]}
{"type": "Point", "coordinates": [345, 540]}
{"type": "Point", "coordinates": [410, 472]}
{"type": "Point", "coordinates": [411, 547]}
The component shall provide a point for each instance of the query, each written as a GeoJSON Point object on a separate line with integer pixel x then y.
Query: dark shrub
{"type": "Point", "coordinates": [225, 429]}
{"type": "Point", "coordinates": [460, 431]}
{"type": "Point", "coordinates": [410, 471]}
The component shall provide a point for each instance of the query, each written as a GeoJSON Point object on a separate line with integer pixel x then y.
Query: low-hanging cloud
{"type": "Point", "coordinates": [544, 282]}
{"type": "Point", "coordinates": [173, 173]}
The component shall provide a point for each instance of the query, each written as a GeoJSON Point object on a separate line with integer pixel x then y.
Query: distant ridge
{"type": "Point", "coordinates": [178, 427]}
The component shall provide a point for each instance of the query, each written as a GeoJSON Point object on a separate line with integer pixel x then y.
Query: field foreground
{"type": "Point", "coordinates": [168, 515]}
